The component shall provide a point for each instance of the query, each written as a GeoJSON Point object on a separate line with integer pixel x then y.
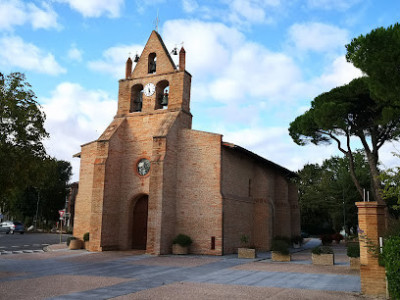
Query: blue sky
{"type": "Point", "coordinates": [256, 64]}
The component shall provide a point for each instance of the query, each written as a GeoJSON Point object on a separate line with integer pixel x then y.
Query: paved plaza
{"type": "Point", "coordinates": [77, 274]}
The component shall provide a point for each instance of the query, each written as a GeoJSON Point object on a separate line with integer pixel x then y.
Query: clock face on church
{"type": "Point", "coordinates": [143, 167]}
{"type": "Point", "coordinates": [149, 89]}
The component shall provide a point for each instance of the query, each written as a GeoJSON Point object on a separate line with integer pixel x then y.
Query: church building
{"type": "Point", "coordinates": [150, 176]}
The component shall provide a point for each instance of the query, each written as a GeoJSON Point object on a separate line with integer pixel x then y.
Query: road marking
{"type": "Point", "coordinates": [14, 246]}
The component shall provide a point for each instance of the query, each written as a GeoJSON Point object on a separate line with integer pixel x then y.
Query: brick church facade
{"type": "Point", "coordinates": [150, 177]}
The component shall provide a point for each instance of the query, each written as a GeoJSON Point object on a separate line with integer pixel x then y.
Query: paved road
{"type": "Point", "coordinates": [28, 242]}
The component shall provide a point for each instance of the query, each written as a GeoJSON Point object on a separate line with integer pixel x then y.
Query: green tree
{"type": "Point", "coordinates": [377, 54]}
{"type": "Point", "coordinates": [21, 136]}
{"type": "Point", "coordinates": [48, 195]}
{"type": "Point", "coordinates": [327, 194]}
{"type": "Point", "coordinates": [346, 112]}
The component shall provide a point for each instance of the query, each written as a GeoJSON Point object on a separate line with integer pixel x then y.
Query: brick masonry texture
{"type": "Point", "coordinates": [371, 222]}
{"type": "Point", "coordinates": [197, 185]}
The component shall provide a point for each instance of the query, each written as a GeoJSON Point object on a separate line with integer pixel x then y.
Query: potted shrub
{"type": "Point", "coordinates": [180, 245]}
{"type": "Point", "coordinates": [246, 251]}
{"type": "Point", "coordinates": [280, 250]}
{"type": "Point", "coordinates": [297, 241]}
{"type": "Point", "coordinates": [353, 252]}
{"type": "Point", "coordinates": [74, 243]}
{"type": "Point", "coordinates": [86, 240]}
{"type": "Point", "coordinates": [323, 255]}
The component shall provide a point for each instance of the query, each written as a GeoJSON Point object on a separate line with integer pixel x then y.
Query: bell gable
{"type": "Point", "coordinates": [154, 59]}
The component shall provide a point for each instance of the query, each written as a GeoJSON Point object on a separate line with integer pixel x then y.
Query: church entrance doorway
{"type": "Point", "coordinates": [139, 232]}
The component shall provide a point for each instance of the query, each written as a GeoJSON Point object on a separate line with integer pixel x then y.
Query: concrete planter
{"type": "Point", "coordinates": [75, 244]}
{"type": "Point", "coordinates": [277, 256]}
{"type": "Point", "coordinates": [354, 263]}
{"type": "Point", "coordinates": [247, 253]}
{"type": "Point", "coordinates": [86, 245]}
{"type": "Point", "coordinates": [323, 259]}
{"type": "Point", "coordinates": [178, 249]}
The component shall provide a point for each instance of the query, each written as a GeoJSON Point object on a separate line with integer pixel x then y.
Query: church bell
{"type": "Point", "coordinates": [164, 100]}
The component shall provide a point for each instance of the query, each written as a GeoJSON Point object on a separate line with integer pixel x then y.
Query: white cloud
{"type": "Point", "coordinates": [96, 8]}
{"type": "Point", "coordinates": [340, 5]}
{"type": "Point", "coordinates": [233, 68]}
{"type": "Point", "coordinates": [75, 116]}
{"type": "Point", "coordinates": [16, 53]}
{"type": "Point", "coordinates": [17, 13]}
{"type": "Point", "coordinates": [317, 37]}
{"type": "Point", "coordinates": [190, 6]}
{"type": "Point", "coordinates": [252, 11]}
{"type": "Point", "coordinates": [340, 72]}
{"type": "Point", "coordinates": [114, 60]}
{"type": "Point", "coordinates": [74, 53]}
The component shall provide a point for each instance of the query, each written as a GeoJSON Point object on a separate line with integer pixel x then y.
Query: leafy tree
{"type": "Point", "coordinates": [377, 54]}
{"type": "Point", "coordinates": [327, 194]}
{"type": "Point", "coordinates": [21, 135]}
{"type": "Point", "coordinates": [346, 112]}
{"type": "Point", "coordinates": [48, 195]}
{"type": "Point", "coordinates": [391, 189]}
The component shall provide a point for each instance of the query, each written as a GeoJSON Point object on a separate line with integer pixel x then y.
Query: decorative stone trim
{"type": "Point", "coordinates": [178, 249]}
{"type": "Point", "coordinates": [323, 259]}
{"type": "Point", "coordinates": [247, 253]}
{"type": "Point", "coordinates": [277, 256]}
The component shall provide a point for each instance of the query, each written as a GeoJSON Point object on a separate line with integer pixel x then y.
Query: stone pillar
{"type": "Point", "coordinates": [371, 222]}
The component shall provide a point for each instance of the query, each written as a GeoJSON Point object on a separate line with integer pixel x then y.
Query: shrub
{"type": "Point", "coordinates": [337, 237]}
{"type": "Point", "coordinates": [353, 250]}
{"type": "Point", "coordinates": [244, 240]}
{"type": "Point", "coordinates": [326, 239]}
{"type": "Point", "coordinates": [69, 239]}
{"type": "Point", "coordinates": [183, 240]}
{"type": "Point", "coordinates": [297, 239]}
{"type": "Point", "coordinates": [86, 237]}
{"type": "Point", "coordinates": [391, 258]}
{"type": "Point", "coordinates": [280, 246]}
{"type": "Point", "coordinates": [322, 250]}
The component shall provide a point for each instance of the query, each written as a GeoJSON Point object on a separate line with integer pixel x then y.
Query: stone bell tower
{"type": "Point", "coordinates": [128, 175]}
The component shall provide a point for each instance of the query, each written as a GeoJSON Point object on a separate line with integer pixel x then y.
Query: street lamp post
{"type": "Point", "coordinates": [37, 209]}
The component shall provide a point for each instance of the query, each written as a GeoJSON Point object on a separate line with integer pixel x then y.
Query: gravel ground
{"type": "Point", "coordinates": [51, 286]}
{"type": "Point", "coordinates": [207, 291]}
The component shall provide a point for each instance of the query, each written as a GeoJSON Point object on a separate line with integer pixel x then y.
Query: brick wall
{"type": "Point", "coordinates": [198, 198]}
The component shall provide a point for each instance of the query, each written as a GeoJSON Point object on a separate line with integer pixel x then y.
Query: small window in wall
{"type": "Point", "coordinates": [213, 243]}
{"type": "Point", "coordinates": [152, 63]}
{"type": "Point", "coordinates": [250, 187]}
{"type": "Point", "coordinates": [136, 98]}
{"type": "Point", "coordinates": [162, 94]}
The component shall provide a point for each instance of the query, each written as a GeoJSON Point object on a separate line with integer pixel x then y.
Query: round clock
{"type": "Point", "coordinates": [143, 166]}
{"type": "Point", "coordinates": [149, 89]}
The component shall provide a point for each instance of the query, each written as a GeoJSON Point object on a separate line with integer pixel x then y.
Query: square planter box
{"type": "Point", "coordinates": [246, 253]}
{"type": "Point", "coordinates": [277, 256]}
{"type": "Point", "coordinates": [354, 263]}
{"type": "Point", "coordinates": [75, 244]}
{"type": "Point", "coordinates": [323, 259]}
{"type": "Point", "coordinates": [178, 249]}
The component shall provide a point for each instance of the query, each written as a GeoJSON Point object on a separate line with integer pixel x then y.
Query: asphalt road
{"type": "Point", "coordinates": [28, 242]}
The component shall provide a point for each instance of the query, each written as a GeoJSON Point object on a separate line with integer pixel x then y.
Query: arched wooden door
{"type": "Point", "coordinates": [139, 232]}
